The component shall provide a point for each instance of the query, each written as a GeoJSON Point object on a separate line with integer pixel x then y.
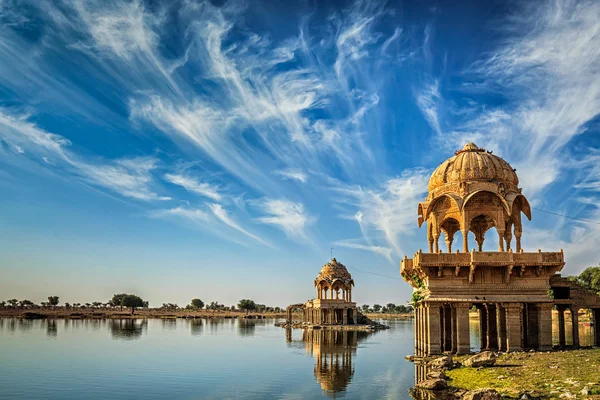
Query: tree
{"type": "Point", "coordinates": [376, 307]}
{"type": "Point", "coordinates": [13, 302]}
{"type": "Point", "coordinates": [53, 300]}
{"type": "Point", "coordinates": [590, 279]}
{"type": "Point", "coordinates": [133, 301]}
{"type": "Point", "coordinates": [117, 299]}
{"type": "Point", "coordinates": [2, 304]}
{"type": "Point", "coordinates": [247, 305]}
{"type": "Point", "coordinates": [390, 307]}
{"type": "Point", "coordinates": [365, 308]}
{"type": "Point", "coordinates": [198, 304]}
{"type": "Point", "coordinates": [26, 303]}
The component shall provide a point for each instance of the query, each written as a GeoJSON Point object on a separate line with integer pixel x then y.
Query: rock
{"type": "Point", "coordinates": [586, 390]}
{"type": "Point", "coordinates": [436, 375]}
{"type": "Point", "coordinates": [482, 394]}
{"type": "Point", "coordinates": [525, 396]}
{"type": "Point", "coordinates": [444, 362]}
{"type": "Point", "coordinates": [567, 395]}
{"type": "Point", "coordinates": [432, 384]}
{"type": "Point", "coordinates": [484, 359]}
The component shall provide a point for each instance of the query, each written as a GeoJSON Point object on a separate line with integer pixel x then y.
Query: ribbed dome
{"type": "Point", "coordinates": [473, 164]}
{"type": "Point", "coordinates": [332, 271]}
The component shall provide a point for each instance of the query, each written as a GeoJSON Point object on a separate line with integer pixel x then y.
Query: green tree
{"type": "Point", "coordinates": [590, 279]}
{"type": "Point", "coordinates": [376, 307]}
{"type": "Point", "coordinates": [133, 301]}
{"type": "Point", "coordinates": [390, 307]}
{"type": "Point", "coordinates": [53, 300]}
{"type": "Point", "coordinates": [365, 308]}
{"type": "Point", "coordinates": [13, 302]}
{"type": "Point", "coordinates": [26, 303]}
{"type": "Point", "coordinates": [247, 305]}
{"type": "Point", "coordinates": [2, 304]}
{"type": "Point", "coordinates": [117, 299]}
{"type": "Point", "coordinates": [197, 303]}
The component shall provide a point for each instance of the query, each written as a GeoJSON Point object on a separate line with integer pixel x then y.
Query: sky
{"type": "Point", "coordinates": [220, 149]}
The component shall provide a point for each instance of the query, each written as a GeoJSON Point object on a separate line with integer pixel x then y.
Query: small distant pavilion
{"type": "Point", "coordinates": [333, 304]}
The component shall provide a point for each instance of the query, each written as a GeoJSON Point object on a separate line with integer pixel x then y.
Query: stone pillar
{"type": "Point", "coordinates": [416, 322]}
{"type": "Point", "coordinates": [501, 324]}
{"type": "Point", "coordinates": [436, 238]}
{"type": "Point", "coordinates": [465, 233]}
{"type": "Point", "coordinates": [575, 325]}
{"type": "Point", "coordinates": [492, 329]}
{"type": "Point", "coordinates": [345, 317]}
{"type": "Point", "coordinates": [514, 326]}
{"type": "Point", "coordinates": [545, 326]}
{"type": "Point", "coordinates": [562, 342]}
{"type": "Point", "coordinates": [483, 344]}
{"type": "Point", "coordinates": [463, 337]}
{"type": "Point", "coordinates": [500, 239]}
{"type": "Point", "coordinates": [518, 233]}
{"type": "Point", "coordinates": [433, 330]}
{"type": "Point", "coordinates": [354, 316]}
{"type": "Point", "coordinates": [596, 320]}
{"type": "Point", "coordinates": [453, 334]}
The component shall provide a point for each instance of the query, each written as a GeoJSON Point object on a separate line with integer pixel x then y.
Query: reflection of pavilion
{"type": "Point", "coordinates": [333, 351]}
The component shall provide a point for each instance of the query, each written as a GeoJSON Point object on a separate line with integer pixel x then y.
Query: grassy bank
{"type": "Point", "coordinates": [388, 316]}
{"type": "Point", "coordinates": [545, 374]}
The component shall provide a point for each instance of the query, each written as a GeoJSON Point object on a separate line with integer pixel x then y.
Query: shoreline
{"type": "Point", "coordinates": [37, 313]}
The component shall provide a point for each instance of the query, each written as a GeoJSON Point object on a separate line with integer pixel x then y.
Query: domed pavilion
{"type": "Point", "coordinates": [333, 304]}
{"type": "Point", "coordinates": [472, 192]}
{"type": "Point", "coordinates": [478, 192]}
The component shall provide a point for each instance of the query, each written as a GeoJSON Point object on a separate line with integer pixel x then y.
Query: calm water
{"type": "Point", "coordinates": [200, 359]}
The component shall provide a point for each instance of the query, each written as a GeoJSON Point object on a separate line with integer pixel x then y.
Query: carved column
{"type": "Point", "coordinates": [514, 326]}
{"type": "Point", "coordinates": [575, 325]}
{"type": "Point", "coordinates": [508, 236]}
{"type": "Point", "coordinates": [416, 330]}
{"type": "Point", "coordinates": [463, 338]}
{"type": "Point", "coordinates": [436, 237]}
{"type": "Point", "coordinates": [561, 326]}
{"type": "Point", "coordinates": [518, 233]}
{"type": "Point", "coordinates": [345, 317]}
{"type": "Point", "coordinates": [454, 335]}
{"type": "Point", "coordinates": [465, 233]}
{"type": "Point", "coordinates": [500, 240]}
{"type": "Point", "coordinates": [545, 326]}
{"type": "Point", "coordinates": [449, 240]}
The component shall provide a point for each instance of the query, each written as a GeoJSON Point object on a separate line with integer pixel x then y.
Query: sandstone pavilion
{"type": "Point", "coordinates": [514, 291]}
{"type": "Point", "coordinates": [333, 305]}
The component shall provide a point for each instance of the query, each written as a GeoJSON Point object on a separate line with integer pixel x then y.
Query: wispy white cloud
{"type": "Point", "coordinates": [130, 177]}
{"type": "Point", "coordinates": [293, 174]}
{"type": "Point", "coordinates": [383, 251]}
{"type": "Point", "coordinates": [427, 100]}
{"type": "Point", "coordinates": [288, 216]}
{"type": "Point", "coordinates": [192, 185]}
{"type": "Point", "coordinates": [224, 217]}
{"type": "Point", "coordinates": [386, 213]}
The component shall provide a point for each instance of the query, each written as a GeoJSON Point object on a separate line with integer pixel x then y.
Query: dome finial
{"type": "Point", "coordinates": [470, 146]}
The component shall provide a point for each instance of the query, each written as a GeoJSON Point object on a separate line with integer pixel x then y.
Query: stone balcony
{"type": "Point", "coordinates": [447, 266]}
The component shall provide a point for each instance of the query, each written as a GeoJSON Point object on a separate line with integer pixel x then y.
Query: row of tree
{"type": "Point", "coordinates": [589, 279]}
{"type": "Point", "coordinates": [389, 308]}
{"type": "Point", "coordinates": [133, 301]}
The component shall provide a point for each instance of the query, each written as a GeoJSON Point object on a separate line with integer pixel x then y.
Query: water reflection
{"type": "Point", "coordinates": [51, 328]}
{"type": "Point", "coordinates": [128, 329]}
{"type": "Point", "coordinates": [247, 327]}
{"type": "Point", "coordinates": [196, 326]}
{"type": "Point", "coordinates": [169, 323]}
{"type": "Point", "coordinates": [334, 352]}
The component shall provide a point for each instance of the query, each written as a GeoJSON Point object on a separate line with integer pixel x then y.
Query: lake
{"type": "Point", "coordinates": [200, 359]}
{"type": "Point", "coordinates": [205, 359]}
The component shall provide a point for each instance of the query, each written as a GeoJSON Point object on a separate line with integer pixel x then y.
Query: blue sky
{"type": "Point", "coordinates": [220, 149]}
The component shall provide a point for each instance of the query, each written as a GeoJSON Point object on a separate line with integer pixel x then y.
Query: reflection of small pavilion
{"type": "Point", "coordinates": [333, 304]}
{"type": "Point", "coordinates": [333, 351]}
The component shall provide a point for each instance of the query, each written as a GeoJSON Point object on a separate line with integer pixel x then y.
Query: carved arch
{"type": "Point", "coordinates": [502, 200]}
{"type": "Point", "coordinates": [518, 198]}
{"type": "Point", "coordinates": [453, 198]}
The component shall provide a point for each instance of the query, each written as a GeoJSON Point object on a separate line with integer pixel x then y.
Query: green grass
{"type": "Point", "coordinates": [546, 374]}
